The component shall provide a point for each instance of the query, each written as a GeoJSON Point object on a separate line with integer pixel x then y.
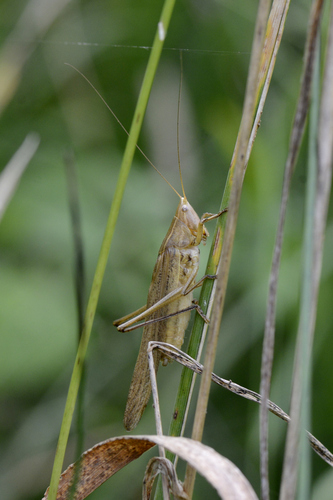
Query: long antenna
{"type": "Point", "coordinates": [178, 119]}
{"type": "Point", "coordinates": [124, 129]}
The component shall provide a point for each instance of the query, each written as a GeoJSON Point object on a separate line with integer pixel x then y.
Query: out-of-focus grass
{"type": "Point", "coordinates": [37, 314]}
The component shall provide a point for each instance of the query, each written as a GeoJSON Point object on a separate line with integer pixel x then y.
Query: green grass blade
{"type": "Point", "coordinates": [199, 324]}
{"type": "Point", "coordinates": [273, 37]}
{"type": "Point", "coordinates": [104, 252]}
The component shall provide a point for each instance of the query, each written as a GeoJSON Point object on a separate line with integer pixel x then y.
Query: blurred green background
{"type": "Point", "coordinates": [109, 42]}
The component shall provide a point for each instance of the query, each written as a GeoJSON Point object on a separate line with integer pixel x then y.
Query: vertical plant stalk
{"type": "Point", "coordinates": [224, 266]}
{"type": "Point", "coordinates": [272, 42]}
{"type": "Point", "coordinates": [269, 335]}
{"type": "Point", "coordinates": [79, 282]}
{"type": "Point", "coordinates": [305, 324]}
{"type": "Point", "coordinates": [104, 252]}
{"type": "Point", "coordinates": [274, 31]}
{"type": "Point", "coordinates": [74, 208]}
{"type": "Point", "coordinates": [322, 186]}
{"type": "Point", "coordinates": [158, 419]}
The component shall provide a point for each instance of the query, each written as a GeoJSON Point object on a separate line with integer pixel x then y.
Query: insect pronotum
{"type": "Point", "coordinates": [169, 302]}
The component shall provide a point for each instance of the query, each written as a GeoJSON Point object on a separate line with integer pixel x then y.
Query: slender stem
{"type": "Point", "coordinates": [104, 252]}
{"type": "Point", "coordinates": [273, 37]}
{"type": "Point", "coordinates": [224, 266]}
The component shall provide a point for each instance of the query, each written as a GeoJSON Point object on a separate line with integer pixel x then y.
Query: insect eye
{"type": "Point", "coordinates": [184, 208]}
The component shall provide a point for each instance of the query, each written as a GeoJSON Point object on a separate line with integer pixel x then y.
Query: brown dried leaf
{"type": "Point", "coordinates": [106, 458]}
{"type": "Point", "coordinates": [100, 463]}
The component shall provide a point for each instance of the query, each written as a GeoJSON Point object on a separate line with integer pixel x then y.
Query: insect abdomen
{"type": "Point", "coordinates": [175, 326]}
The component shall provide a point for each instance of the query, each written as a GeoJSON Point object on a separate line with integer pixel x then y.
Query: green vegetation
{"type": "Point", "coordinates": [110, 44]}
